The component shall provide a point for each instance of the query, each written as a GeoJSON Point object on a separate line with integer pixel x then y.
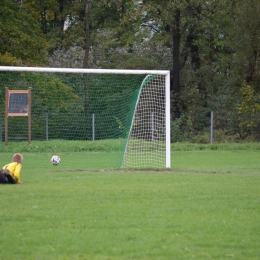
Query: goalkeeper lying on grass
{"type": "Point", "coordinates": [10, 173]}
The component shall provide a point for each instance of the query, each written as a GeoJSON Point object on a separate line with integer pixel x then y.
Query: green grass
{"type": "Point", "coordinates": [205, 207]}
{"type": "Point", "coordinates": [108, 154]}
{"type": "Point", "coordinates": [217, 161]}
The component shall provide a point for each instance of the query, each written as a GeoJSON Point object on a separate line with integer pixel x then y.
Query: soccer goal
{"type": "Point", "coordinates": [92, 118]}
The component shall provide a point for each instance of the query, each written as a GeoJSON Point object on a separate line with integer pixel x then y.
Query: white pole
{"type": "Point", "coordinates": [74, 70]}
{"type": "Point", "coordinates": [168, 120]}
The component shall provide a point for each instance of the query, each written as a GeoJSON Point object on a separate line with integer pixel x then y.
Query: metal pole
{"type": "Point", "coordinates": [6, 115]}
{"type": "Point", "coordinates": [152, 125]}
{"type": "Point", "coordinates": [1, 129]}
{"type": "Point", "coordinates": [93, 127]}
{"type": "Point", "coordinates": [211, 126]}
{"type": "Point", "coordinates": [47, 126]}
{"type": "Point", "coordinates": [168, 120]}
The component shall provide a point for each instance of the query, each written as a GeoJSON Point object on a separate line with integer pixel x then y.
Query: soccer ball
{"type": "Point", "coordinates": [55, 160]}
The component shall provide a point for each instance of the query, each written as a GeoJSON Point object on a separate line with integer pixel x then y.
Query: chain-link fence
{"type": "Point", "coordinates": [216, 127]}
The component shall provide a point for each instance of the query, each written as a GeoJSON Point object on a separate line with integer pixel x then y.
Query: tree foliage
{"type": "Point", "coordinates": [21, 40]}
{"type": "Point", "coordinates": [211, 48]}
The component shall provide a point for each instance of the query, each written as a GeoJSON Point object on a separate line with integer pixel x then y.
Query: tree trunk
{"type": "Point", "coordinates": [175, 78]}
{"type": "Point", "coordinates": [87, 41]}
{"type": "Point", "coordinates": [85, 66]}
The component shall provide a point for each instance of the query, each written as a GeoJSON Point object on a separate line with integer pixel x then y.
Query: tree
{"type": "Point", "coordinates": [211, 48]}
{"type": "Point", "coordinates": [21, 40]}
{"type": "Point", "coordinates": [244, 41]}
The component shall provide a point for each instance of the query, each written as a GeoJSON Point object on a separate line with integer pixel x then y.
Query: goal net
{"type": "Point", "coordinates": [91, 118]}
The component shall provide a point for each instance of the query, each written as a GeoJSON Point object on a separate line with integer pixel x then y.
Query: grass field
{"type": "Point", "coordinates": [206, 207]}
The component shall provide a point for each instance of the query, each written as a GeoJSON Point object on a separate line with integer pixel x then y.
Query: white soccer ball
{"type": "Point", "coordinates": [55, 160]}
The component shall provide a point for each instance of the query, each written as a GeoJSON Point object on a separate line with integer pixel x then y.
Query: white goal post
{"type": "Point", "coordinates": [159, 123]}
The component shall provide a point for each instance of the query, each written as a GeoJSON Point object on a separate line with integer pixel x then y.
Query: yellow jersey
{"type": "Point", "coordinates": [14, 169]}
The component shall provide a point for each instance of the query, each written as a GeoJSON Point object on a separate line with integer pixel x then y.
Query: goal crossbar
{"type": "Point", "coordinates": [87, 71]}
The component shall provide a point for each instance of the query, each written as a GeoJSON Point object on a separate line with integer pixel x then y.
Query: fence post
{"type": "Point", "coordinates": [211, 126]}
{"type": "Point", "coordinates": [47, 126]}
{"type": "Point", "coordinates": [93, 127]}
{"type": "Point", "coordinates": [1, 129]}
{"type": "Point", "coordinates": [152, 125]}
